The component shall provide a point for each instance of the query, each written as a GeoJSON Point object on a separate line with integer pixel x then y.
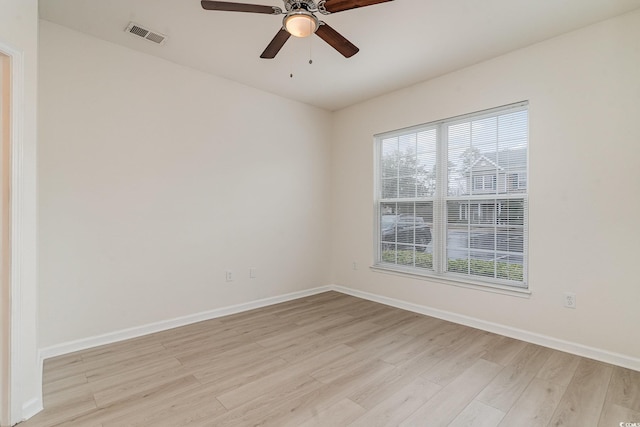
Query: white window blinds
{"type": "Point", "coordinates": [466, 221]}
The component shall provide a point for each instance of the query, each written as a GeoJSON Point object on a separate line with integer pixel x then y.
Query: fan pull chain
{"type": "Point", "coordinates": [310, 44]}
{"type": "Point", "coordinates": [290, 66]}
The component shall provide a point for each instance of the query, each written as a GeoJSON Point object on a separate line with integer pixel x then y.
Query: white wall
{"type": "Point", "coordinates": [155, 179]}
{"type": "Point", "coordinates": [584, 93]}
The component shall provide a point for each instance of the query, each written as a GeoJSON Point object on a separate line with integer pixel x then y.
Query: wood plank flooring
{"type": "Point", "coordinates": [333, 360]}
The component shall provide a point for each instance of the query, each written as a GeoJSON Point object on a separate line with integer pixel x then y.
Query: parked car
{"type": "Point", "coordinates": [404, 228]}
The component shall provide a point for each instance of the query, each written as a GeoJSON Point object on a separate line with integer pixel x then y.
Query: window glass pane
{"type": "Point", "coordinates": [405, 229]}
{"type": "Point", "coordinates": [522, 181]}
{"type": "Point", "coordinates": [389, 157]}
{"type": "Point", "coordinates": [483, 243]}
{"type": "Point", "coordinates": [482, 238]}
{"type": "Point", "coordinates": [457, 212]}
{"type": "Point", "coordinates": [509, 267]}
{"type": "Point", "coordinates": [425, 185]}
{"type": "Point", "coordinates": [389, 167]}
{"type": "Point", "coordinates": [488, 151]}
{"type": "Point", "coordinates": [426, 140]}
{"type": "Point", "coordinates": [513, 166]}
{"type": "Point", "coordinates": [512, 160]}
{"type": "Point", "coordinates": [405, 211]}
{"type": "Point", "coordinates": [388, 222]}
{"type": "Point", "coordinates": [424, 260]}
{"type": "Point", "coordinates": [457, 242]}
{"type": "Point", "coordinates": [424, 237]}
{"type": "Point", "coordinates": [478, 182]}
{"type": "Point", "coordinates": [424, 211]}
{"type": "Point", "coordinates": [459, 136]}
{"type": "Point", "coordinates": [407, 164]}
{"type": "Point", "coordinates": [510, 212]}
{"type": "Point", "coordinates": [388, 252]}
{"type": "Point", "coordinates": [510, 239]}
{"type": "Point", "coordinates": [389, 188]}
{"type": "Point", "coordinates": [426, 174]}
{"type": "Point", "coordinates": [460, 158]}
{"type": "Point", "coordinates": [513, 129]}
{"type": "Point", "coordinates": [482, 264]}
{"type": "Point", "coordinates": [406, 255]}
{"type": "Point", "coordinates": [407, 188]}
{"type": "Point", "coordinates": [457, 261]}
{"type": "Point", "coordinates": [407, 144]}
{"type": "Point", "coordinates": [482, 212]}
{"type": "Point", "coordinates": [484, 135]}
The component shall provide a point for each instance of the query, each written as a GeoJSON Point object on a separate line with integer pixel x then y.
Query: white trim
{"type": "Point", "coordinates": [453, 280]}
{"type": "Point", "coordinates": [17, 114]}
{"type": "Point", "coordinates": [35, 405]}
{"type": "Point", "coordinates": [16, 58]}
{"type": "Point", "coordinates": [125, 334]}
{"type": "Point", "coordinates": [480, 114]}
{"type": "Point", "coordinates": [520, 334]}
{"type": "Point", "coordinates": [31, 408]}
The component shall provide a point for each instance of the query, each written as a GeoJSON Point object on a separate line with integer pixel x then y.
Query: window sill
{"type": "Point", "coordinates": [469, 284]}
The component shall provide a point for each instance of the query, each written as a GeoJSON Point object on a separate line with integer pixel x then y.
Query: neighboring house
{"type": "Point", "coordinates": [501, 172]}
{"type": "Point", "coordinates": [492, 174]}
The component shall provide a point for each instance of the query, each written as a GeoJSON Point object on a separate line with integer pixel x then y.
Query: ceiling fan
{"type": "Point", "coordinates": [299, 21]}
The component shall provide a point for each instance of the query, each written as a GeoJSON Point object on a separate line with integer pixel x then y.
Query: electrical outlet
{"type": "Point", "coordinates": [355, 265]}
{"type": "Point", "coordinates": [253, 273]}
{"type": "Point", "coordinates": [229, 276]}
{"type": "Point", "coordinates": [569, 300]}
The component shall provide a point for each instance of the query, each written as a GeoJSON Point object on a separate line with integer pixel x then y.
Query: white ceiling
{"type": "Point", "coordinates": [401, 42]}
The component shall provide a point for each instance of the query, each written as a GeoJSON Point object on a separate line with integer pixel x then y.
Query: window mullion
{"type": "Point", "coordinates": [439, 217]}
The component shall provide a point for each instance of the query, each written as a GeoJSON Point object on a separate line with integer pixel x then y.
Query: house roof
{"type": "Point", "coordinates": [504, 160]}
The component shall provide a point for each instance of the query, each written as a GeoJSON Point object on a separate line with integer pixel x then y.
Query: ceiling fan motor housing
{"type": "Point", "coordinates": [294, 5]}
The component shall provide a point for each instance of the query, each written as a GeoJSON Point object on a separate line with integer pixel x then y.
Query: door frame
{"type": "Point", "coordinates": [14, 410]}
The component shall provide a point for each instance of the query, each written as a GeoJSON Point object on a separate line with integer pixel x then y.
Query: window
{"type": "Point", "coordinates": [484, 182]}
{"type": "Point", "coordinates": [517, 181]}
{"type": "Point", "coordinates": [451, 198]}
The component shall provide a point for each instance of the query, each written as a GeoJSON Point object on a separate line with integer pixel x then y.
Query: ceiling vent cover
{"type": "Point", "coordinates": [140, 31]}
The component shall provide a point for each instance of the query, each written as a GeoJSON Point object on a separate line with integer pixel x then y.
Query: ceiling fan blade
{"type": "Point", "coordinates": [276, 44]}
{"type": "Point", "coordinates": [336, 40]}
{"type": "Point", "coordinates": [334, 6]}
{"type": "Point", "coordinates": [240, 7]}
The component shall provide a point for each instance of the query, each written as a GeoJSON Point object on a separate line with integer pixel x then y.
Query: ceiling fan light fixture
{"type": "Point", "coordinates": [300, 23]}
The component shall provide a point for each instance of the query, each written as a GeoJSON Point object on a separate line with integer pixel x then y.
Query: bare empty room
{"type": "Point", "coordinates": [353, 213]}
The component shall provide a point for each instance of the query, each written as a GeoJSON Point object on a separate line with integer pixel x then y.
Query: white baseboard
{"type": "Point", "coordinates": [32, 407]}
{"type": "Point", "coordinates": [125, 334]}
{"type": "Point", "coordinates": [520, 334]}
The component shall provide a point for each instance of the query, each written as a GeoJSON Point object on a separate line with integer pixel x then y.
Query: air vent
{"type": "Point", "coordinates": [140, 31]}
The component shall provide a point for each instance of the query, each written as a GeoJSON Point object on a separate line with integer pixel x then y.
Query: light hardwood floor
{"type": "Point", "coordinates": [333, 360]}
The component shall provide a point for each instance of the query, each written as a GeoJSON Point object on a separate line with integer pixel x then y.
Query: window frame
{"type": "Point", "coordinates": [440, 224]}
